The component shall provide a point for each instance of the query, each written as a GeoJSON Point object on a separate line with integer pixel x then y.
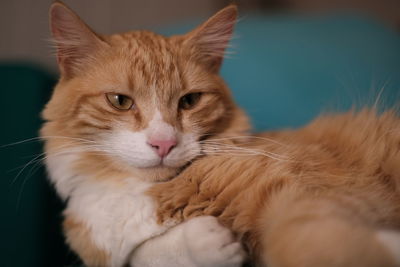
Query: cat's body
{"type": "Point", "coordinates": [134, 109]}
{"type": "Point", "coordinates": [324, 195]}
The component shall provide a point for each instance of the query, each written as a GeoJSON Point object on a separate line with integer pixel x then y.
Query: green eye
{"type": "Point", "coordinates": [121, 102]}
{"type": "Point", "coordinates": [189, 101]}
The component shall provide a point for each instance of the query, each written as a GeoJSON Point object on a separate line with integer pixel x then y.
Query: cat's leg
{"type": "Point", "coordinates": [314, 232]}
{"type": "Point", "coordinates": [211, 244]}
{"type": "Point", "coordinates": [168, 249]}
{"type": "Point", "coordinates": [198, 242]}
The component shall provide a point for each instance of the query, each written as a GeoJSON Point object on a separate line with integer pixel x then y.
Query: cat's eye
{"type": "Point", "coordinates": [189, 101]}
{"type": "Point", "coordinates": [118, 101]}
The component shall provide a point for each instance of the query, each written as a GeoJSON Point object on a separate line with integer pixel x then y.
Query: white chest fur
{"type": "Point", "coordinates": [120, 216]}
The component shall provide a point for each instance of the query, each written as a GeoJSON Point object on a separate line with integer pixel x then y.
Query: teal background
{"type": "Point", "coordinates": [284, 71]}
{"type": "Point", "coordinates": [30, 221]}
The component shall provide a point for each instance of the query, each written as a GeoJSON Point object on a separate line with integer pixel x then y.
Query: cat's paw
{"type": "Point", "coordinates": [212, 245]}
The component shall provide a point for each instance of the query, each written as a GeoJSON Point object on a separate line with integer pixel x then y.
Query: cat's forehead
{"type": "Point", "coordinates": [148, 60]}
{"type": "Point", "coordinates": [148, 53]}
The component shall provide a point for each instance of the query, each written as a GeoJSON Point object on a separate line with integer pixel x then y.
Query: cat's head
{"type": "Point", "coordinates": [139, 101]}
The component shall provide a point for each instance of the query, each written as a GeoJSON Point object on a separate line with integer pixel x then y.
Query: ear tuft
{"type": "Point", "coordinates": [211, 39]}
{"type": "Point", "coordinates": [74, 40]}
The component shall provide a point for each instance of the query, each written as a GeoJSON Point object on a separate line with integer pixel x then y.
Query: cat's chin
{"type": "Point", "coordinates": [155, 171]}
{"type": "Point", "coordinates": [158, 173]}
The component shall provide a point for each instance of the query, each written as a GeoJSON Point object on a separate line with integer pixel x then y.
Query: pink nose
{"type": "Point", "coordinates": [163, 147]}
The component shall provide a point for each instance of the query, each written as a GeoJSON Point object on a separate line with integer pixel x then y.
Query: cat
{"type": "Point", "coordinates": [128, 111]}
{"type": "Point", "coordinates": [325, 195]}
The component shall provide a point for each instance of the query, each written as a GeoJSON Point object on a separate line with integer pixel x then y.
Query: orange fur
{"type": "Point", "coordinates": [317, 200]}
{"type": "Point", "coordinates": [79, 239]}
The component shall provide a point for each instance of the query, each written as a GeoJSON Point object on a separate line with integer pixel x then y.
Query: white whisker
{"type": "Point", "coordinates": [245, 137]}
{"type": "Point", "coordinates": [42, 138]}
{"type": "Point", "coordinates": [220, 148]}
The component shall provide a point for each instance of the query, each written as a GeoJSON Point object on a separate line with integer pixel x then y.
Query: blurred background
{"type": "Point", "coordinates": [290, 61]}
{"type": "Point", "coordinates": [24, 25]}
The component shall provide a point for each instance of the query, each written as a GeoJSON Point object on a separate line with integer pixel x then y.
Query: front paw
{"type": "Point", "coordinates": [212, 245]}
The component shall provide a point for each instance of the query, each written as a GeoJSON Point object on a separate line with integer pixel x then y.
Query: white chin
{"type": "Point", "coordinates": [157, 163]}
{"type": "Point", "coordinates": [139, 163]}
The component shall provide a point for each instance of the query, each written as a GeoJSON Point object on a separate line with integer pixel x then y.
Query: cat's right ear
{"type": "Point", "coordinates": [74, 40]}
{"type": "Point", "coordinates": [210, 40]}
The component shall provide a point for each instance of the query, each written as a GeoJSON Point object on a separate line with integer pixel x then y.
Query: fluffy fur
{"type": "Point", "coordinates": [324, 195]}
{"type": "Point", "coordinates": [102, 158]}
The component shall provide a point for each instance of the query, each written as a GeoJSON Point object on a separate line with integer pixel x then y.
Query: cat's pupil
{"type": "Point", "coordinates": [189, 101]}
{"type": "Point", "coordinates": [120, 99]}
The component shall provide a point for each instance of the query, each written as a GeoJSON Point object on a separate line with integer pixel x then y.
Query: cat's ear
{"type": "Point", "coordinates": [211, 38]}
{"type": "Point", "coordinates": [74, 40]}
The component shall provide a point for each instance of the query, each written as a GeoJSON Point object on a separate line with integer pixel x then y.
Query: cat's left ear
{"type": "Point", "coordinates": [210, 40]}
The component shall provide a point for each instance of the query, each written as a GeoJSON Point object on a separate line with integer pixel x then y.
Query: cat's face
{"type": "Point", "coordinates": [139, 101]}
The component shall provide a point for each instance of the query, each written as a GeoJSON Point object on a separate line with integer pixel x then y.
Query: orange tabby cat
{"type": "Point", "coordinates": [129, 110]}
{"type": "Point", "coordinates": [324, 195]}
